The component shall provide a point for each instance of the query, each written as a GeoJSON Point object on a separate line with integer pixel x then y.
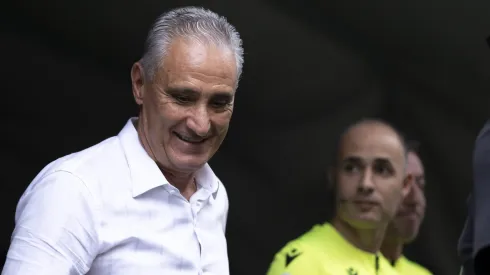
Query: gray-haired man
{"type": "Point", "coordinates": [144, 201]}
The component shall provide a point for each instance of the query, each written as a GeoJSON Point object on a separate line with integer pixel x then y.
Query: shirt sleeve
{"type": "Point", "coordinates": [465, 242]}
{"type": "Point", "coordinates": [55, 229]}
{"type": "Point", "coordinates": [481, 193]}
{"type": "Point", "coordinates": [295, 260]}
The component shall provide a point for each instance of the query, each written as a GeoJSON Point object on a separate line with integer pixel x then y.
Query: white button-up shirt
{"type": "Point", "coordinates": [109, 210]}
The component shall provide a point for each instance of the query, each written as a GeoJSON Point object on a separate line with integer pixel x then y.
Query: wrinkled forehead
{"type": "Point", "coordinates": [370, 143]}
{"type": "Point", "coordinates": [207, 59]}
{"type": "Point", "coordinates": [414, 164]}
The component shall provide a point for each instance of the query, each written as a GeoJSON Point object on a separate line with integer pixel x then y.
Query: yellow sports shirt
{"type": "Point", "coordinates": [406, 267]}
{"type": "Point", "coordinates": [323, 251]}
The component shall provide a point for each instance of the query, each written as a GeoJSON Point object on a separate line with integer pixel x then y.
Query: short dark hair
{"type": "Point", "coordinates": [406, 145]}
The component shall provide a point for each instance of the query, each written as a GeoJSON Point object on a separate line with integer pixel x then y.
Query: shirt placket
{"type": "Point", "coordinates": [197, 203]}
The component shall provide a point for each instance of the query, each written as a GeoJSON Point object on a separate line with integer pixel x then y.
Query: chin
{"type": "Point", "coordinates": [409, 234]}
{"type": "Point", "coordinates": [410, 227]}
{"type": "Point", "coordinates": [189, 163]}
{"type": "Point", "coordinates": [364, 221]}
{"type": "Point", "coordinates": [409, 238]}
{"type": "Point", "coordinates": [363, 224]}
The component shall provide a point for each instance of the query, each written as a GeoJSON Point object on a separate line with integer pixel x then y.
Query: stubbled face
{"type": "Point", "coordinates": [412, 210]}
{"type": "Point", "coordinates": [186, 109]}
{"type": "Point", "coordinates": [370, 176]}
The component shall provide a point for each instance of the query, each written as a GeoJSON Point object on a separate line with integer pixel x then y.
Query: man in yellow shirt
{"type": "Point", "coordinates": [405, 226]}
{"type": "Point", "coordinates": [368, 178]}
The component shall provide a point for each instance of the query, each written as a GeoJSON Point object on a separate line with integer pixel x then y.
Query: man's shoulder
{"type": "Point", "coordinates": [307, 246]}
{"type": "Point", "coordinates": [304, 255]}
{"type": "Point", "coordinates": [93, 156]}
{"type": "Point", "coordinates": [295, 255]}
{"type": "Point", "coordinates": [296, 246]}
{"type": "Point", "coordinates": [311, 240]}
{"type": "Point", "coordinates": [86, 164]}
{"type": "Point", "coordinates": [484, 133]}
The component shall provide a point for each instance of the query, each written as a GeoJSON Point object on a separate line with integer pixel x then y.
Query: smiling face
{"type": "Point", "coordinates": [186, 109]}
{"type": "Point", "coordinates": [409, 217]}
{"type": "Point", "coordinates": [370, 175]}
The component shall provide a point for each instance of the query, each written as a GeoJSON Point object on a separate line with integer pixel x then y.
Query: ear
{"type": "Point", "coordinates": [138, 83]}
{"type": "Point", "coordinates": [407, 185]}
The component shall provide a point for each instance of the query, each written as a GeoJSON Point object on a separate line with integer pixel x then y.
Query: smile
{"type": "Point", "coordinates": [193, 140]}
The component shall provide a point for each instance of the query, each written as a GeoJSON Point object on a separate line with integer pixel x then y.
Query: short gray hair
{"type": "Point", "coordinates": [189, 22]}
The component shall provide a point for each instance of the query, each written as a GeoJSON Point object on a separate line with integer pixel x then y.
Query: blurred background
{"type": "Point", "coordinates": [311, 68]}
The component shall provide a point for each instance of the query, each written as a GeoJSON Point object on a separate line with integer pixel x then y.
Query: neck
{"type": "Point", "coordinates": [183, 181]}
{"type": "Point", "coordinates": [392, 248]}
{"type": "Point", "coordinates": [368, 240]}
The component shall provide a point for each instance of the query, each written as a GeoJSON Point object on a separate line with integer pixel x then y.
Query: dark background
{"type": "Point", "coordinates": [309, 71]}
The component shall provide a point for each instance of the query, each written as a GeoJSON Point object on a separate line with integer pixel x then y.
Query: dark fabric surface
{"type": "Point", "coordinates": [465, 243]}
{"type": "Point", "coordinates": [473, 246]}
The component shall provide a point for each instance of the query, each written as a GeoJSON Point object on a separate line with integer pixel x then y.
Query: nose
{"type": "Point", "coordinates": [199, 121]}
{"type": "Point", "coordinates": [366, 184]}
{"type": "Point", "coordinates": [412, 192]}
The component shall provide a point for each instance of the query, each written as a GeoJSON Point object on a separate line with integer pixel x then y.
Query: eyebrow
{"type": "Point", "coordinates": [359, 160]}
{"type": "Point", "coordinates": [181, 90]}
{"type": "Point", "coordinates": [222, 95]}
{"type": "Point", "coordinates": [185, 90]}
{"type": "Point", "coordinates": [352, 159]}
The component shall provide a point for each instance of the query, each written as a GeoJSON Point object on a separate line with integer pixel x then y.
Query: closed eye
{"type": "Point", "coordinates": [182, 96]}
{"type": "Point", "coordinates": [219, 104]}
{"type": "Point", "coordinates": [182, 99]}
{"type": "Point", "coordinates": [221, 100]}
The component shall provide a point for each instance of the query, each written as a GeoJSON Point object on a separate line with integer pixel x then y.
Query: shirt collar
{"type": "Point", "coordinates": [400, 261]}
{"type": "Point", "coordinates": [144, 172]}
{"type": "Point", "coordinates": [334, 236]}
{"type": "Point", "coordinates": [206, 179]}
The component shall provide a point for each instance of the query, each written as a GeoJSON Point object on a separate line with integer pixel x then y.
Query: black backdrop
{"type": "Point", "coordinates": [309, 70]}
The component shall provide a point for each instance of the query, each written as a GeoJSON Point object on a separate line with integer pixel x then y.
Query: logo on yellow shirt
{"type": "Point", "coordinates": [291, 255]}
{"type": "Point", "coordinates": [351, 271]}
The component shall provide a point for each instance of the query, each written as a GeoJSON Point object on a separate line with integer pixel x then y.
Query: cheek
{"type": "Point", "coordinates": [391, 191]}
{"type": "Point", "coordinates": [221, 121]}
{"type": "Point", "coordinates": [346, 187]}
{"type": "Point", "coordinates": [167, 112]}
{"type": "Point", "coordinates": [162, 118]}
{"type": "Point", "coordinates": [395, 197]}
